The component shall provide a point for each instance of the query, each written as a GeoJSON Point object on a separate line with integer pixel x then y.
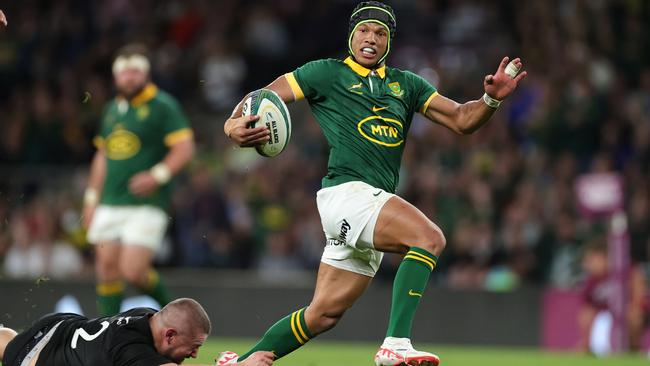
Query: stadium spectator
{"type": "Point", "coordinates": [144, 140]}
{"type": "Point", "coordinates": [141, 336]}
{"type": "Point", "coordinates": [596, 298]}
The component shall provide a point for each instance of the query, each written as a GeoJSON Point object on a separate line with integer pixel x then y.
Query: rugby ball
{"type": "Point", "coordinates": [274, 114]}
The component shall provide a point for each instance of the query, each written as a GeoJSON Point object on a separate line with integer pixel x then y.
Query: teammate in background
{"type": "Point", "coordinates": [143, 141]}
{"type": "Point", "coordinates": [597, 291]}
{"type": "Point", "coordinates": [140, 336]}
{"type": "Point", "coordinates": [365, 110]}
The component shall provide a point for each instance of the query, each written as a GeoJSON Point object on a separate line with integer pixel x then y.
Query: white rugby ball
{"type": "Point", "coordinates": [274, 114]}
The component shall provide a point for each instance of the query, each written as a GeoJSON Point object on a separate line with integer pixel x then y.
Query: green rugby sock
{"type": "Point", "coordinates": [109, 297]}
{"type": "Point", "coordinates": [157, 289]}
{"type": "Point", "coordinates": [408, 287]}
{"type": "Point", "coordinates": [284, 337]}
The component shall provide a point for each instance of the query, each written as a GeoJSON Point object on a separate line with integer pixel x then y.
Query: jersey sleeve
{"type": "Point", "coordinates": [312, 80]}
{"type": "Point", "coordinates": [176, 127]}
{"type": "Point", "coordinates": [139, 354]}
{"type": "Point", "coordinates": [423, 92]}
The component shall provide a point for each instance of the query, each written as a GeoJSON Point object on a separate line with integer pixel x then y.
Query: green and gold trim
{"type": "Point", "coordinates": [110, 288]}
{"type": "Point", "coordinates": [148, 93]}
{"type": "Point", "coordinates": [295, 88]}
{"type": "Point", "coordinates": [425, 106]}
{"type": "Point", "coordinates": [298, 327]}
{"type": "Point", "coordinates": [99, 143]}
{"type": "Point", "coordinates": [428, 261]}
{"type": "Point", "coordinates": [364, 71]}
{"type": "Point", "coordinates": [177, 136]}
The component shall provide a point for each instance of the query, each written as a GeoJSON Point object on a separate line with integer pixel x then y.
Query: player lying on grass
{"type": "Point", "coordinates": [140, 336]}
{"type": "Point", "coordinates": [365, 110]}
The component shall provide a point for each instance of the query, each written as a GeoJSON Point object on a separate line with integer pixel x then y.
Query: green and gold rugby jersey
{"type": "Point", "coordinates": [135, 136]}
{"type": "Point", "coordinates": [364, 114]}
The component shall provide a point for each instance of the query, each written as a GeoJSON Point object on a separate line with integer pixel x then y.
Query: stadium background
{"type": "Point", "coordinates": [504, 196]}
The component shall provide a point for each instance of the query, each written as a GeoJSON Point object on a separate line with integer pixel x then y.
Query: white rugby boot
{"type": "Point", "coordinates": [227, 358]}
{"type": "Point", "coordinates": [400, 352]}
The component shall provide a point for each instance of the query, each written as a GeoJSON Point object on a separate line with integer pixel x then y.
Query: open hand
{"type": "Point", "coordinates": [500, 85]}
{"type": "Point", "coordinates": [238, 131]}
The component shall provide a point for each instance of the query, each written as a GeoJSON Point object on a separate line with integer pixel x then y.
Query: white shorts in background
{"type": "Point", "coordinates": [130, 225]}
{"type": "Point", "coordinates": [348, 213]}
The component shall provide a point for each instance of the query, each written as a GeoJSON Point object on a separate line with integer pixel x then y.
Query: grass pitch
{"type": "Point", "coordinates": [325, 353]}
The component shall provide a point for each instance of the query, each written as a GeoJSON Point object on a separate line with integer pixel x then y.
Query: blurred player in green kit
{"type": "Point", "coordinates": [143, 141]}
{"type": "Point", "coordinates": [365, 109]}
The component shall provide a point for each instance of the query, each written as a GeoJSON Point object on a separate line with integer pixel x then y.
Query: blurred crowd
{"type": "Point", "coordinates": [504, 196]}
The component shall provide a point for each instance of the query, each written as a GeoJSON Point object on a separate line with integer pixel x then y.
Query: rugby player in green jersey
{"type": "Point", "coordinates": [143, 141]}
{"type": "Point", "coordinates": [365, 110]}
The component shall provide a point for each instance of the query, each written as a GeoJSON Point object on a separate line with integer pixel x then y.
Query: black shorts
{"type": "Point", "coordinates": [24, 342]}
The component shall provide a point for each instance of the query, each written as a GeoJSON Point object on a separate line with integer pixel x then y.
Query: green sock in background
{"type": "Point", "coordinates": [109, 297]}
{"type": "Point", "coordinates": [157, 289]}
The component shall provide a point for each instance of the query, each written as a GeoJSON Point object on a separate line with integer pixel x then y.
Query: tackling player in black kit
{"type": "Point", "coordinates": [138, 337]}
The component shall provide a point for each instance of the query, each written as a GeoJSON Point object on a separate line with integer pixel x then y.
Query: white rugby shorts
{"type": "Point", "coordinates": [348, 214]}
{"type": "Point", "coordinates": [129, 225]}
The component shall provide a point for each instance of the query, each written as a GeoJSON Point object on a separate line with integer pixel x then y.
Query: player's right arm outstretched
{"type": "Point", "coordinates": [235, 126]}
{"type": "Point", "coordinates": [260, 358]}
{"type": "Point", "coordinates": [468, 117]}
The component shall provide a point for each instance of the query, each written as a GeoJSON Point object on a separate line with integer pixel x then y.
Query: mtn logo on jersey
{"type": "Point", "coordinates": [382, 131]}
{"type": "Point", "coordinates": [122, 144]}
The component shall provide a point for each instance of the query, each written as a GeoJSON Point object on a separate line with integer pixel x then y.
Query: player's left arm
{"type": "Point", "coordinates": [470, 116]}
{"type": "Point", "coordinates": [3, 18]}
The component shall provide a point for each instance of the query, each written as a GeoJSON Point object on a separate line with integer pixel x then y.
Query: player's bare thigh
{"type": "Point", "coordinates": [336, 291]}
{"type": "Point", "coordinates": [135, 263]}
{"type": "Point", "coordinates": [107, 257]}
{"type": "Point", "coordinates": [401, 225]}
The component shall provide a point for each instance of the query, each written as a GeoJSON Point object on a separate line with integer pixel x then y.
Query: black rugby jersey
{"type": "Point", "coordinates": [120, 340]}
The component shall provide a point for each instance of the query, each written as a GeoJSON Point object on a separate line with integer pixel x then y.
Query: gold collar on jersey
{"type": "Point", "coordinates": [148, 93]}
{"type": "Point", "coordinates": [363, 71]}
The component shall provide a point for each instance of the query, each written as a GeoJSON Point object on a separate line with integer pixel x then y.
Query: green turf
{"type": "Point", "coordinates": [324, 353]}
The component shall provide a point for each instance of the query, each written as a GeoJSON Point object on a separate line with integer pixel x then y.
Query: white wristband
{"type": "Point", "coordinates": [161, 173]}
{"type": "Point", "coordinates": [91, 197]}
{"type": "Point", "coordinates": [491, 102]}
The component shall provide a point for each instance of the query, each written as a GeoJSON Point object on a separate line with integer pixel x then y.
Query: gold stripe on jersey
{"type": "Point", "coordinates": [177, 136]}
{"type": "Point", "coordinates": [363, 71]}
{"type": "Point", "coordinates": [98, 141]}
{"type": "Point", "coordinates": [295, 88]}
{"type": "Point", "coordinates": [148, 93]}
{"type": "Point", "coordinates": [425, 106]}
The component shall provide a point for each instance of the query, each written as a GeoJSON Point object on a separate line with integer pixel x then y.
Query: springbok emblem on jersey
{"type": "Point", "coordinates": [396, 89]}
